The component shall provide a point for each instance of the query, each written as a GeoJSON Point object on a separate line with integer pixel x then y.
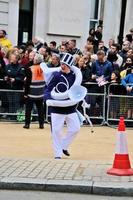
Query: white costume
{"type": "Point", "coordinates": [59, 96]}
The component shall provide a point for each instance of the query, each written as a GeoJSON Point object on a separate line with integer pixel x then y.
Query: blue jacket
{"type": "Point", "coordinates": [100, 69]}
{"type": "Point", "coordinates": [128, 80]}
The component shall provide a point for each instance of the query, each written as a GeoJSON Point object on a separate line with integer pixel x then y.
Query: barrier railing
{"type": "Point", "coordinates": [12, 106]}
{"type": "Point", "coordinates": [10, 103]}
{"type": "Point", "coordinates": [119, 104]}
{"type": "Point", "coordinates": [105, 106]}
{"type": "Point", "coordinates": [96, 98]}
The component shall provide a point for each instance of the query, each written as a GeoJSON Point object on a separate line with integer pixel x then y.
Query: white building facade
{"type": "Point", "coordinates": [60, 19]}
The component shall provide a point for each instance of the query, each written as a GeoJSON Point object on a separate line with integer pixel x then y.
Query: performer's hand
{"type": "Point", "coordinates": [129, 89]}
{"type": "Point", "coordinates": [49, 102]}
{"type": "Point", "coordinates": [93, 76]}
{"type": "Point", "coordinates": [12, 80]}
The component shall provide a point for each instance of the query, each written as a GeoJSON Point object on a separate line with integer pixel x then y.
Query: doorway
{"type": "Point", "coordinates": [25, 21]}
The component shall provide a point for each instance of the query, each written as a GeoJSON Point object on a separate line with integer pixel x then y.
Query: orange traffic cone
{"type": "Point", "coordinates": [121, 165]}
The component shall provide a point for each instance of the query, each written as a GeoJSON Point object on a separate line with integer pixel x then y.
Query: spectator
{"type": "Point", "coordinates": [98, 35]}
{"type": "Point", "coordinates": [14, 78]}
{"type": "Point", "coordinates": [92, 33]}
{"type": "Point", "coordinates": [53, 47]}
{"type": "Point", "coordinates": [25, 57]}
{"type": "Point", "coordinates": [76, 58]}
{"type": "Point", "coordinates": [126, 69]}
{"type": "Point", "coordinates": [129, 38]}
{"type": "Point", "coordinates": [42, 51]}
{"type": "Point", "coordinates": [2, 71]}
{"type": "Point", "coordinates": [3, 98]}
{"type": "Point", "coordinates": [88, 48]}
{"type": "Point", "coordinates": [29, 45]}
{"type": "Point", "coordinates": [110, 43]}
{"type": "Point", "coordinates": [88, 63]}
{"type": "Point", "coordinates": [4, 42]}
{"type": "Point", "coordinates": [115, 77]}
{"type": "Point", "coordinates": [63, 49]}
{"type": "Point", "coordinates": [125, 49]}
{"type": "Point", "coordinates": [72, 49]}
{"type": "Point", "coordinates": [112, 57]}
{"type": "Point", "coordinates": [131, 32]}
{"type": "Point", "coordinates": [65, 42]}
{"type": "Point", "coordinates": [102, 47]}
{"type": "Point", "coordinates": [115, 48]}
{"type": "Point", "coordinates": [34, 90]}
{"type": "Point", "coordinates": [93, 57]}
{"type": "Point", "coordinates": [87, 58]}
{"type": "Point", "coordinates": [85, 70]}
{"type": "Point", "coordinates": [114, 90]}
{"type": "Point", "coordinates": [9, 52]}
{"type": "Point", "coordinates": [101, 67]}
{"type": "Point", "coordinates": [55, 61]}
{"type": "Point", "coordinates": [130, 53]}
{"type": "Point", "coordinates": [90, 45]}
{"type": "Point", "coordinates": [30, 58]}
{"type": "Point", "coordinates": [90, 40]}
{"type": "Point", "coordinates": [127, 82]}
{"type": "Point", "coordinates": [46, 52]}
{"type": "Point", "coordinates": [101, 73]}
{"type": "Point", "coordinates": [37, 42]}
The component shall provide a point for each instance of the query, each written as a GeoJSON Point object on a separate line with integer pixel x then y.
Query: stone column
{"type": "Point", "coordinates": [86, 22]}
{"type": "Point", "coordinates": [13, 17]}
{"type": "Point", "coordinates": [40, 18]}
{"type": "Point", "coordinates": [129, 17]}
{"type": "Point", "coordinates": [111, 21]}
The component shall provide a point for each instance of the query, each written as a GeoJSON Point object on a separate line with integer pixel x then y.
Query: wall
{"type": "Point", "coordinates": [4, 7]}
{"type": "Point", "coordinates": [9, 10]}
{"type": "Point", "coordinates": [61, 19]}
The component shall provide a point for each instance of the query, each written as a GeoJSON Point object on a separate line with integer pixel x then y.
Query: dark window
{"type": "Point", "coordinates": [25, 20]}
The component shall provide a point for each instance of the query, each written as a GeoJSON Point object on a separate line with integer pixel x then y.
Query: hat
{"type": "Point", "coordinates": [67, 59]}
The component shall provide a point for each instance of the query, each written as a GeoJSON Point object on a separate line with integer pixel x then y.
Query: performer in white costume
{"type": "Point", "coordinates": [61, 86]}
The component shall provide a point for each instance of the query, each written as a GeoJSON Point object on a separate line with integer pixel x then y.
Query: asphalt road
{"type": "Point", "coordinates": [28, 195]}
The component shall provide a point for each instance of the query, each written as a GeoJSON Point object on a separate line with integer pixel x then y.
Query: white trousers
{"type": "Point", "coordinates": [59, 140]}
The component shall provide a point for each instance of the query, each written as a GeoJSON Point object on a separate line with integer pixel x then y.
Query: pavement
{"type": "Point", "coordinates": [27, 163]}
{"type": "Point", "coordinates": [64, 175]}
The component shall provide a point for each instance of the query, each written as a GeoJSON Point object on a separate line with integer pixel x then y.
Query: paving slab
{"type": "Point", "coordinates": [75, 176]}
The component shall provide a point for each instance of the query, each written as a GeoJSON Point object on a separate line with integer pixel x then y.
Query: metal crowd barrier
{"type": "Point", "coordinates": [119, 104]}
{"type": "Point", "coordinates": [10, 103]}
{"type": "Point", "coordinates": [12, 107]}
{"type": "Point", "coordinates": [96, 98]}
{"type": "Point", "coordinates": [105, 106]}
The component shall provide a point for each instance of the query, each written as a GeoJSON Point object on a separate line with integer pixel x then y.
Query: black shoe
{"type": "Point", "coordinates": [27, 126]}
{"type": "Point", "coordinates": [66, 152]}
{"type": "Point", "coordinates": [57, 157]}
{"type": "Point", "coordinates": [41, 126]}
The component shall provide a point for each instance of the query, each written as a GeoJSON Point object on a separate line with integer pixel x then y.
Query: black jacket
{"type": "Point", "coordinates": [17, 72]}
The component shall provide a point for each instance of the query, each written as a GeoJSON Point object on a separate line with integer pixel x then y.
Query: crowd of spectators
{"type": "Point", "coordinates": [98, 63]}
